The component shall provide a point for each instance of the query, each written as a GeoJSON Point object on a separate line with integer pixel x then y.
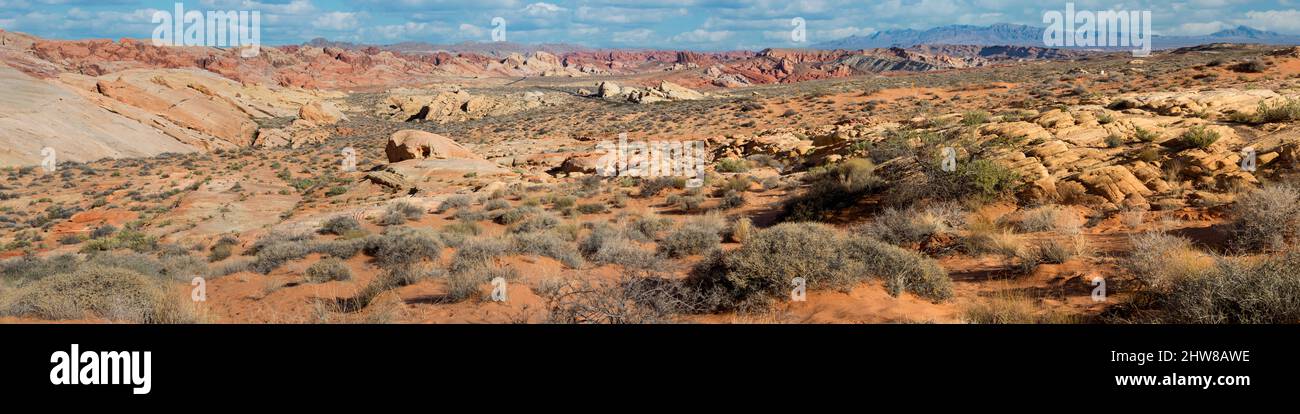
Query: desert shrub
{"type": "Point", "coordinates": [732, 165]}
{"type": "Point", "coordinates": [742, 229]}
{"type": "Point", "coordinates": [456, 202]}
{"type": "Point", "coordinates": [220, 251]}
{"type": "Point", "coordinates": [592, 208]}
{"type": "Point", "coordinates": [987, 179]}
{"type": "Point", "coordinates": [914, 225]}
{"type": "Point", "coordinates": [833, 188]}
{"type": "Point", "coordinates": [1059, 251]}
{"type": "Point", "coordinates": [1010, 308]}
{"type": "Point", "coordinates": [1283, 111]}
{"type": "Point", "coordinates": [399, 212]}
{"type": "Point", "coordinates": [732, 199]}
{"type": "Point", "coordinates": [272, 257]}
{"type": "Point", "coordinates": [628, 300]}
{"type": "Point", "coordinates": [686, 203]}
{"type": "Point", "coordinates": [340, 225]}
{"type": "Point", "coordinates": [99, 292]}
{"type": "Point", "coordinates": [1047, 218]}
{"type": "Point", "coordinates": [496, 204]}
{"type": "Point", "coordinates": [1198, 137]}
{"type": "Point", "coordinates": [994, 241]}
{"type": "Point", "coordinates": [539, 222]}
{"type": "Point", "coordinates": [464, 227]}
{"type": "Point", "coordinates": [125, 239]}
{"type": "Point", "coordinates": [763, 269]}
{"type": "Point", "coordinates": [1251, 66]}
{"type": "Point", "coordinates": [696, 236]}
{"type": "Point", "coordinates": [1237, 291]}
{"type": "Point", "coordinates": [28, 268]}
{"type": "Point", "coordinates": [341, 248]}
{"type": "Point", "coordinates": [516, 214]}
{"type": "Point", "coordinates": [547, 244]}
{"type": "Point", "coordinates": [1145, 135]}
{"type": "Point", "coordinates": [103, 231]}
{"type": "Point", "coordinates": [466, 285]}
{"type": "Point", "coordinates": [1266, 218]}
{"type": "Point", "coordinates": [563, 202]}
{"type": "Point", "coordinates": [973, 118]}
{"type": "Point", "coordinates": [477, 253]}
{"type": "Point", "coordinates": [605, 245]}
{"type": "Point", "coordinates": [1114, 141]}
{"type": "Point", "coordinates": [1158, 260]}
{"type": "Point", "coordinates": [403, 246]}
{"type": "Point", "coordinates": [70, 239]}
{"type": "Point", "coordinates": [901, 269]}
{"type": "Point", "coordinates": [653, 186]}
{"type": "Point", "coordinates": [647, 227]}
{"type": "Point", "coordinates": [326, 270]}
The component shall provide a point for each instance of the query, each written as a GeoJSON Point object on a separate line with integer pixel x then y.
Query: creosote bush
{"type": "Point", "coordinates": [832, 188]}
{"type": "Point", "coordinates": [762, 269]}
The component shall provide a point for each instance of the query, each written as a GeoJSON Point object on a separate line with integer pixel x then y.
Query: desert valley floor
{"type": "Point", "coordinates": [1088, 188]}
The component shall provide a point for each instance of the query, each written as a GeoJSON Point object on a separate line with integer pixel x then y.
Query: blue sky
{"type": "Point", "coordinates": [666, 24]}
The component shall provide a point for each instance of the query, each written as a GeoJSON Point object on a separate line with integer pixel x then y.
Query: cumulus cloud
{"type": "Point", "coordinates": [336, 21]}
{"type": "Point", "coordinates": [1279, 20]}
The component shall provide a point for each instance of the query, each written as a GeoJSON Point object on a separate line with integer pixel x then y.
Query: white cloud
{"type": "Point", "coordinates": [472, 31]}
{"type": "Point", "coordinates": [1197, 29]}
{"type": "Point", "coordinates": [336, 21]}
{"type": "Point", "coordinates": [633, 36]}
{"type": "Point", "coordinates": [1278, 20]}
{"type": "Point", "coordinates": [542, 9]}
{"type": "Point", "coordinates": [702, 36]}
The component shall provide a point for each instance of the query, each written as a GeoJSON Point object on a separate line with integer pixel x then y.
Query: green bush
{"type": "Point", "coordinates": [832, 188]}
{"type": "Point", "coordinates": [763, 268]}
{"type": "Point", "coordinates": [987, 179]}
{"type": "Point", "coordinates": [1145, 135]}
{"type": "Point", "coordinates": [1284, 111]}
{"type": "Point", "coordinates": [732, 165]}
{"type": "Point", "coordinates": [973, 118]}
{"type": "Point", "coordinates": [1199, 137]}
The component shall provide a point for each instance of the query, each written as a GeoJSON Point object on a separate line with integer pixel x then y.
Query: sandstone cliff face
{"type": "Point", "coordinates": [36, 113]}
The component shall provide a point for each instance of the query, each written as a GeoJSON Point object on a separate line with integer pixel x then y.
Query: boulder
{"type": "Point", "coordinates": [414, 144]}
{"type": "Point", "coordinates": [321, 113]}
{"type": "Point", "coordinates": [608, 89]}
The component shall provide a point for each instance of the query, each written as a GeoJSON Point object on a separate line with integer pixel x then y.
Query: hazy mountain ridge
{"type": "Point", "coordinates": [1023, 35]}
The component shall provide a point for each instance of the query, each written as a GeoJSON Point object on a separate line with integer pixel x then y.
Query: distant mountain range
{"type": "Point", "coordinates": [498, 49]}
{"type": "Point", "coordinates": [1005, 34]}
